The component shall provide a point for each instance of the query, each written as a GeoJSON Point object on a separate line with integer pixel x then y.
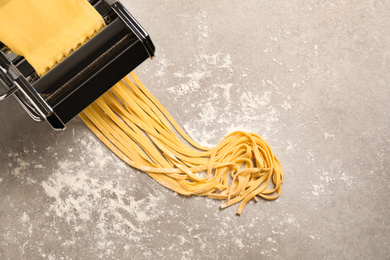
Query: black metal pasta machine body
{"type": "Point", "coordinates": [83, 76]}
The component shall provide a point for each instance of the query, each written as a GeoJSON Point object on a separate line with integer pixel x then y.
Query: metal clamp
{"type": "Point", "coordinates": [5, 79]}
{"type": "Point", "coordinates": [9, 93]}
{"type": "Point", "coordinates": [28, 97]}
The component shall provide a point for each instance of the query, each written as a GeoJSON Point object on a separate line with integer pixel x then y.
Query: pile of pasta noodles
{"type": "Point", "coordinates": [132, 123]}
{"type": "Point", "coordinates": [137, 128]}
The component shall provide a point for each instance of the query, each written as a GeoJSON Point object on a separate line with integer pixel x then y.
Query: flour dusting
{"type": "Point", "coordinates": [347, 179]}
{"type": "Point", "coordinates": [80, 195]}
{"type": "Point", "coordinates": [224, 103]}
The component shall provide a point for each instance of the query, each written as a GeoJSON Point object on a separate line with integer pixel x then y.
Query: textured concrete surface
{"type": "Point", "coordinates": [312, 78]}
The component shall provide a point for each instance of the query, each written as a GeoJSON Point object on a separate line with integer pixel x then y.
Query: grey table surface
{"type": "Point", "coordinates": [311, 77]}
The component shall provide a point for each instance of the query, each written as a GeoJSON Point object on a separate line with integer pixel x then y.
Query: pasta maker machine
{"type": "Point", "coordinates": [83, 76]}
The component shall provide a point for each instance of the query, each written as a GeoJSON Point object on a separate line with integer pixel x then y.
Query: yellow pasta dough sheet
{"type": "Point", "coordinates": [46, 31]}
